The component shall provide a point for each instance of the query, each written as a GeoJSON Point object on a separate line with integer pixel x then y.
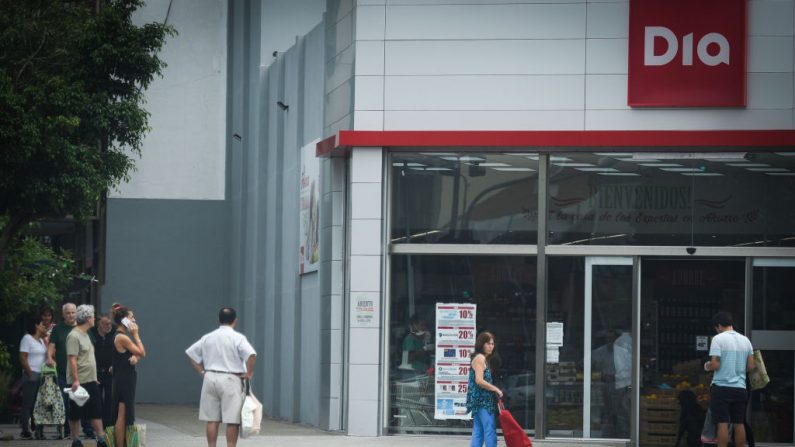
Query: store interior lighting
{"type": "Point", "coordinates": [710, 156]}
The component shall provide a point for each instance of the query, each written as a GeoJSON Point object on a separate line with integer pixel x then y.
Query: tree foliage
{"type": "Point", "coordinates": [72, 81]}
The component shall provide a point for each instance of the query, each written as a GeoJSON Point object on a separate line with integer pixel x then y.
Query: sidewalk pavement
{"type": "Point", "coordinates": [179, 426]}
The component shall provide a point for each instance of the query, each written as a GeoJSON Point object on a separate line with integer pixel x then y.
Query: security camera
{"type": "Point", "coordinates": [690, 250]}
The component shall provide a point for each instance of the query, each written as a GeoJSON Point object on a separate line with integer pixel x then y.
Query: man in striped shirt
{"type": "Point", "coordinates": [731, 357]}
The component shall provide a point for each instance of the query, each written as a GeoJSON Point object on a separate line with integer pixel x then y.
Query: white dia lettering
{"type": "Point", "coordinates": [702, 49]}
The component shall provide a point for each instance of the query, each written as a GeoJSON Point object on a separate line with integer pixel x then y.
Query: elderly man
{"type": "Point", "coordinates": [225, 359]}
{"type": "Point", "coordinates": [82, 372]}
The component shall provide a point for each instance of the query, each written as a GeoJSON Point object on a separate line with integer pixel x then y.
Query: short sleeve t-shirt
{"type": "Point", "coordinates": [36, 350]}
{"type": "Point", "coordinates": [79, 344]}
{"type": "Point", "coordinates": [733, 349]}
{"type": "Point", "coordinates": [58, 338]}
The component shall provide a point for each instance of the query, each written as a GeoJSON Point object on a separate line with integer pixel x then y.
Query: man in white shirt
{"type": "Point", "coordinates": [225, 359]}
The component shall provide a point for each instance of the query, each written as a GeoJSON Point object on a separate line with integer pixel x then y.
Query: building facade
{"type": "Point", "coordinates": [597, 178]}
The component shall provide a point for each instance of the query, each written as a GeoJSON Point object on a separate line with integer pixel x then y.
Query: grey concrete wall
{"type": "Point", "coordinates": [167, 259]}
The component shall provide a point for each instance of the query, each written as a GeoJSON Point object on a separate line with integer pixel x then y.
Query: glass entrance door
{"type": "Point", "coordinates": [608, 347]}
{"type": "Point", "coordinates": [773, 305]}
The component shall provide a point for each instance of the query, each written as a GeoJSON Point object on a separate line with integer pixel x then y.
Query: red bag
{"type": "Point", "coordinates": [513, 433]}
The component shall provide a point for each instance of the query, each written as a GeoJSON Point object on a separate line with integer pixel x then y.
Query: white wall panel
{"type": "Point", "coordinates": [364, 379]}
{"type": "Point", "coordinates": [368, 120]}
{"type": "Point", "coordinates": [770, 54]}
{"type": "Point", "coordinates": [484, 120]}
{"type": "Point", "coordinates": [608, 20]}
{"type": "Point", "coordinates": [470, 2]}
{"type": "Point", "coordinates": [563, 92]}
{"type": "Point", "coordinates": [370, 21]}
{"type": "Point", "coordinates": [339, 102]}
{"type": "Point", "coordinates": [510, 21]}
{"type": "Point", "coordinates": [364, 347]}
{"type": "Point", "coordinates": [367, 166]}
{"type": "Point", "coordinates": [438, 57]}
{"type": "Point", "coordinates": [365, 231]}
{"type": "Point", "coordinates": [770, 18]}
{"type": "Point", "coordinates": [606, 56]}
{"type": "Point", "coordinates": [370, 57]}
{"type": "Point", "coordinates": [770, 91]}
{"type": "Point", "coordinates": [339, 36]}
{"type": "Point", "coordinates": [369, 93]}
{"type": "Point", "coordinates": [606, 92]}
{"type": "Point", "coordinates": [363, 417]}
{"type": "Point", "coordinates": [365, 201]}
{"type": "Point", "coordinates": [690, 119]}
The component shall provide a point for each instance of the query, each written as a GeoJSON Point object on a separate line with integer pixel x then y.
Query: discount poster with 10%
{"type": "Point", "coordinates": [455, 341]}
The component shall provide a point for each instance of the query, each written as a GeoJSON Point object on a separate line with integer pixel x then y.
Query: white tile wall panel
{"type": "Point", "coordinates": [339, 102]}
{"type": "Point", "coordinates": [484, 120]}
{"type": "Point", "coordinates": [367, 166]}
{"type": "Point", "coordinates": [689, 119]}
{"type": "Point", "coordinates": [370, 21]}
{"type": "Point", "coordinates": [439, 57]}
{"type": "Point", "coordinates": [770, 54]}
{"type": "Point", "coordinates": [366, 200]}
{"type": "Point", "coordinates": [365, 272]}
{"type": "Point", "coordinates": [337, 212]}
{"type": "Point", "coordinates": [608, 20]}
{"type": "Point", "coordinates": [770, 91]}
{"type": "Point", "coordinates": [339, 69]}
{"type": "Point", "coordinates": [339, 36]}
{"type": "Point", "coordinates": [606, 92]}
{"type": "Point", "coordinates": [369, 93]}
{"type": "Point", "coordinates": [509, 92]}
{"type": "Point", "coordinates": [606, 56]}
{"type": "Point", "coordinates": [370, 2]}
{"type": "Point", "coordinates": [363, 233]}
{"type": "Point", "coordinates": [337, 240]}
{"type": "Point", "coordinates": [336, 312]}
{"type": "Point", "coordinates": [488, 21]}
{"type": "Point", "coordinates": [369, 57]}
{"type": "Point", "coordinates": [337, 279]}
{"type": "Point", "coordinates": [335, 338]}
{"type": "Point", "coordinates": [363, 416]}
{"type": "Point", "coordinates": [335, 381]}
{"type": "Point", "coordinates": [770, 18]}
{"type": "Point", "coordinates": [364, 346]}
{"type": "Point", "coordinates": [364, 380]}
{"type": "Point", "coordinates": [368, 120]}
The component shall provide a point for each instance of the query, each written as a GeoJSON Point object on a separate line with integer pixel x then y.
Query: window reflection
{"type": "Point", "coordinates": [464, 198]}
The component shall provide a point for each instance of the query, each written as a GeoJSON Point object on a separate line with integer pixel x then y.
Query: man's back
{"type": "Point", "coordinates": [733, 349]}
{"type": "Point", "coordinates": [223, 350]}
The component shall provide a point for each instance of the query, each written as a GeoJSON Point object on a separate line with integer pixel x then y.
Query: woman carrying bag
{"type": "Point", "coordinates": [482, 395]}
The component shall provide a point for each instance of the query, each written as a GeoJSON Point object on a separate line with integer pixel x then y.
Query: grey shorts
{"type": "Point", "coordinates": [222, 398]}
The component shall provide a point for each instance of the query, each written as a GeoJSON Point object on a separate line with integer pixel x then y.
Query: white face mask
{"type": "Point", "coordinates": [420, 333]}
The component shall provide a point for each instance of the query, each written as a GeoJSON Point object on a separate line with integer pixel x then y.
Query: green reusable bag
{"type": "Point", "coordinates": [110, 436]}
{"type": "Point", "coordinates": [136, 435]}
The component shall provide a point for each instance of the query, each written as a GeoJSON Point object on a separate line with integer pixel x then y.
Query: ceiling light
{"type": "Point", "coordinates": [522, 154]}
{"type": "Point", "coordinates": [514, 169]}
{"type": "Point", "coordinates": [573, 164]}
{"type": "Point", "coordinates": [558, 158]}
{"type": "Point", "coordinates": [660, 165]}
{"type": "Point", "coordinates": [768, 169]}
{"type": "Point", "coordinates": [781, 174]}
{"type": "Point", "coordinates": [597, 169]}
{"type": "Point", "coordinates": [464, 158]}
{"type": "Point", "coordinates": [437, 169]}
{"type": "Point", "coordinates": [689, 156]}
{"type": "Point", "coordinates": [613, 154]}
{"type": "Point", "coordinates": [702, 174]}
{"type": "Point", "coordinates": [748, 165]}
{"type": "Point", "coordinates": [620, 174]}
{"type": "Point", "coordinates": [785, 154]}
{"type": "Point", "coordinates": [438, 154]}
{"type": "Point", "coordinates": [489, 164]}
{"type": "Point", "coordinates": [683, 169]}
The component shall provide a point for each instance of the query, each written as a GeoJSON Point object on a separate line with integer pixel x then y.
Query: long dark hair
{"type": "Point", "coordinates": [483, 338]}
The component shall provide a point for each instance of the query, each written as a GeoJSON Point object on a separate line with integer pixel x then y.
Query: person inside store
{"type": "Point", "coordinates": [731, 357]}
{"type": "Point", "coordinates": [482, 395]}
{"type": "Point", "coordinates": [32, 354]}
{"type": "Point", "coordinates": [417, 347]}
{"type": "Point", "coordinates": [103, 335]}
{"type": "Point", "coordinates": [613, 361]}
{"type": "Point", "coordinates": [127, 350]}
{"type": "Point", "coordinates": [47, 317]}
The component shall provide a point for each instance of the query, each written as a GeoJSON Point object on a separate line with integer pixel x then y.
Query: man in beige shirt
{"type": "Point", "coordinates": [82, 372]}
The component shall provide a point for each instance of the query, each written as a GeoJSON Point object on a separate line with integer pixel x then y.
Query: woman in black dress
{"type": "Point", "coordinates": [129, 349]}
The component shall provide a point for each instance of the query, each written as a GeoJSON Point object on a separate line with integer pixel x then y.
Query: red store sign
{"type": "Point", "coordinates": [687, 53]}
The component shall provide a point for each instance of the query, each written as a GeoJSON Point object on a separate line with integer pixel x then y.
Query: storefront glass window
{"type": "Point", "coordinates": [471, 198]}
{"type": "Point", "coordinates": [503, 288]}
{"type": "Point", "coordinates": [679, 199]}
{"type": "Point", "coordinates": [774, 298]}
{"type": "Point", "coordinates": [678, 299]}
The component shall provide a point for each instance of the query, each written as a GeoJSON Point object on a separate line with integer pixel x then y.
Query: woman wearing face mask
{"type": "Point", "coordinates": [416, 344]}
{"type": "Point", "coordinates": [128, 350]}
{"type": "Point", "coordinates": [482, 395]}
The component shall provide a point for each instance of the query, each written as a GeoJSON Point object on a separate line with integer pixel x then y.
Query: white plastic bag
{"type": "Point", "coordinates": [250, 415]}
{"type": "Point", "coordinates": [80, 397]}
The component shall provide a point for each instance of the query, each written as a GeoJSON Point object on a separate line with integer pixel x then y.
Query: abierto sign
{"type": "Point", "coordinates": [687, 53]}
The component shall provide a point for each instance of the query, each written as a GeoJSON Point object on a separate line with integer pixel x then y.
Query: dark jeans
{"type": "Point", "coordinates": [106, 394]}
{"type": "Point", "coordinates": [30, 388]}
